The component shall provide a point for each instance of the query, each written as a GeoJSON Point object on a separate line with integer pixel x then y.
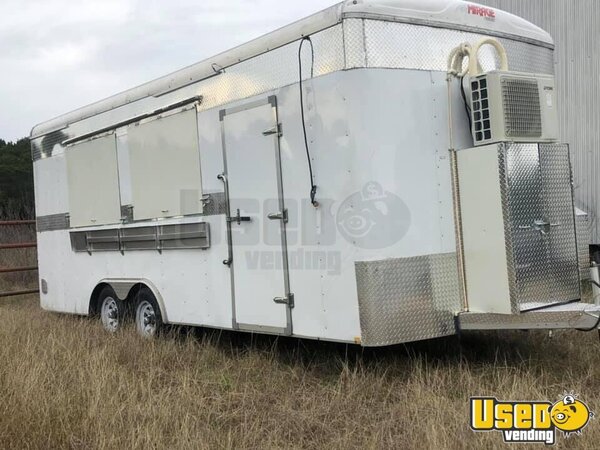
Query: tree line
{"type": "Point", "coordinates": [16, 180]}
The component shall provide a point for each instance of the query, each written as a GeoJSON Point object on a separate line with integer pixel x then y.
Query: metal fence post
{"type": "Point", "coordinates": [17, 245]}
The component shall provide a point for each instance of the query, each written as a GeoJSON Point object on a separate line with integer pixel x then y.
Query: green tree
{"type": "Point", "coordinates": [16, 180]}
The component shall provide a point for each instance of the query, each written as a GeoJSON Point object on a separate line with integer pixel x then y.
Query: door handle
{"type": "Point", "coordinates": [280, 215]}
{"type": "Point", "coordinates": [543, 226]}
{"type": "Point", "coordinates": [287, 300]}
{"type": "Point", "coordinates": [277, 129]}
{"type": "Point", "coordinates": [540, 225]}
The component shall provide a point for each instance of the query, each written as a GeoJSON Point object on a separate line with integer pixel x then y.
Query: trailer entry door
{"type": "Point", "coordinates": [257, 218]}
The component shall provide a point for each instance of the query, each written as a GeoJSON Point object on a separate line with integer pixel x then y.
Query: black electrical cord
{"type": "Point", "coordinates": [313, 187]}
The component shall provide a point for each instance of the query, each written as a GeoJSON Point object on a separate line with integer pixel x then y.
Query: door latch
{"type": "Point", "coordinates": [206, 200]}
{"type": "Point", "coordinates": [239, 218]}
{"type": "Point", "coordinates": [280, 215]}
{"type": "Point", "coordinates": [275, 130]}
{"type": "Point", "coordinates": [287, 300]}
{"type": "Point", "coordinates": [540, 225]}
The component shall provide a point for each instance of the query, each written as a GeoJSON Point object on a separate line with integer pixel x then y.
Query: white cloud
{"type": "Point", "coordinates": [57, 55]}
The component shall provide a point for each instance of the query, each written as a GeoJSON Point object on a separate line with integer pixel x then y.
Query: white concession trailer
{"type": "Point", "coordinates": [381, 172]}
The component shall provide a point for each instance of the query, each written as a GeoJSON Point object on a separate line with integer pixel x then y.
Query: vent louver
{"type": "Point", "coordinates": [481, 110]}
{"type": "Point", "coordinates": [522, 111]}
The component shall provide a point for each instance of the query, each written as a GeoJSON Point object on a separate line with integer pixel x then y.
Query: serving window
{"type": "Point", "coordinates": [164, 166]}
{"type": "Point", "coordinates": [93, 182]}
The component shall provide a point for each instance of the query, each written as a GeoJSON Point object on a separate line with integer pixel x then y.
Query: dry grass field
{"type": "Point", "coordinates": [65, 383]}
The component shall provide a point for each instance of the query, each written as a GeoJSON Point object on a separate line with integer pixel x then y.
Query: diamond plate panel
{"type": "Point", "coordinates": [561, 241]}
{"type": "Point", "coordinates": [54, 222]}
{"type": "Point", "coordinates": [571, 316]}
{"type": "Point", "coordinates": [540, 221]}
{"type": "Point", "coordinates": [215, 205]}
{"type": "Point", "coordinates": [275, 69]}
{"type": "Point", "coordinates": [526, 207]}
{"type": "Point", "coordinates": [407, 299]}
{"type": "Point", "coordinates": [508, 232]}
{"type": "Point", "coordinates": [408, 46]}
{"type": "Point", "coordinates": [354, 43]}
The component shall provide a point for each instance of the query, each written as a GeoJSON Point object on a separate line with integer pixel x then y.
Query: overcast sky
{"type": "Point", "coordinates": [58, 55]}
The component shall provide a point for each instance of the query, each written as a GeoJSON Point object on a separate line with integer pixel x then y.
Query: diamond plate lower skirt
{"type": "Point", "coordinates": [408, 299]}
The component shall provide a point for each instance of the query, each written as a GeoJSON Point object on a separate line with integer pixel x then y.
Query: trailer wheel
{"type": "Point", "coordinates": [148, 320]}
{"type": "Point", "coordinates": [112, 310]}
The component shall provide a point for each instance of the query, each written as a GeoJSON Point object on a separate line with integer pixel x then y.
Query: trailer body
{"type": "Point", "coordinates": [197, 187]}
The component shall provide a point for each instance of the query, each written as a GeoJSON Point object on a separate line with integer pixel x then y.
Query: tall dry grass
{"type": "Point", "coordinates": [65, 383]}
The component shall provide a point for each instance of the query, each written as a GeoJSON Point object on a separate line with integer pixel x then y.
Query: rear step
{"type": "Point", "coordinates": [580, 316]}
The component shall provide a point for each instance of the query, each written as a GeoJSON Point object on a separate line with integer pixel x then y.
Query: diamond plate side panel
{"type": "Point", "coordinates": [570, 316]}
{"type": "Point", "coordinates": [526, 207]}
{"type": "Point", "coordinates": [508, 233]}
{"type": "Point", "coordinates": [274, 69]}
{"type": "Point", "coordinates": [54, 222]}
{"type": "Point", "coordinates": [540, 221]}
{"type": "Point", "coordinates": [561, 242]}
{"type": "Point", "coordinates": [215, 204]}
{"type": "Point", "coordinates": [408, 46]}
{"type": "Point", "coordinates": [354, 43]}
{"type": "Point", "coordinates": [407, 299]}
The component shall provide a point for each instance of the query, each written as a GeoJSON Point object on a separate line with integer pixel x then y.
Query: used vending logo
{"type": "Point", "coordinates": [482, 11]}
{"type": "Point", "coordinates": [530, 422]}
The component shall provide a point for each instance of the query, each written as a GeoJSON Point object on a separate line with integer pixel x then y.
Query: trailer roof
{"type": "Point", "coordinates": [453, 14]}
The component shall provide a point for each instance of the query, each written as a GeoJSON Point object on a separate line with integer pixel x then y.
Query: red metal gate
{"type": "Point", "coordinates": [17, 245]}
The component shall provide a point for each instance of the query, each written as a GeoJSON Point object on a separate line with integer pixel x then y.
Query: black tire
{"type": "Point", "coordinates": [148, 318]}
{"type": "Point", "coordinates": [111, 310]}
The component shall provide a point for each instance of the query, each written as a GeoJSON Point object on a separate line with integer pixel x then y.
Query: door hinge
{"type": "Point", "coordinates": [278, 130]}
{"type": "Point", "coordinates": [287, 300]}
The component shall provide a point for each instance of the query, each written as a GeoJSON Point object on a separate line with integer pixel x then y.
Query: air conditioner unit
{"type": "Point", "coordinates": [511, 106]}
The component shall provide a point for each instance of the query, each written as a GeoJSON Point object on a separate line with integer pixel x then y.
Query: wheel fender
{"type": "Point", "coordinates": [123, 287]}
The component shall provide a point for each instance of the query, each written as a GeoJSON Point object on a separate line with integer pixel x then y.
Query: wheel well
{"type": "Point", "coordinates": [94, 308]}
{"type": "Point", "coordinates": [135, 289]}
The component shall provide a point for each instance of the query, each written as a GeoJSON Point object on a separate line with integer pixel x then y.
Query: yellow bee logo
{"type": "Point", "coordinates": [570, 415]}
